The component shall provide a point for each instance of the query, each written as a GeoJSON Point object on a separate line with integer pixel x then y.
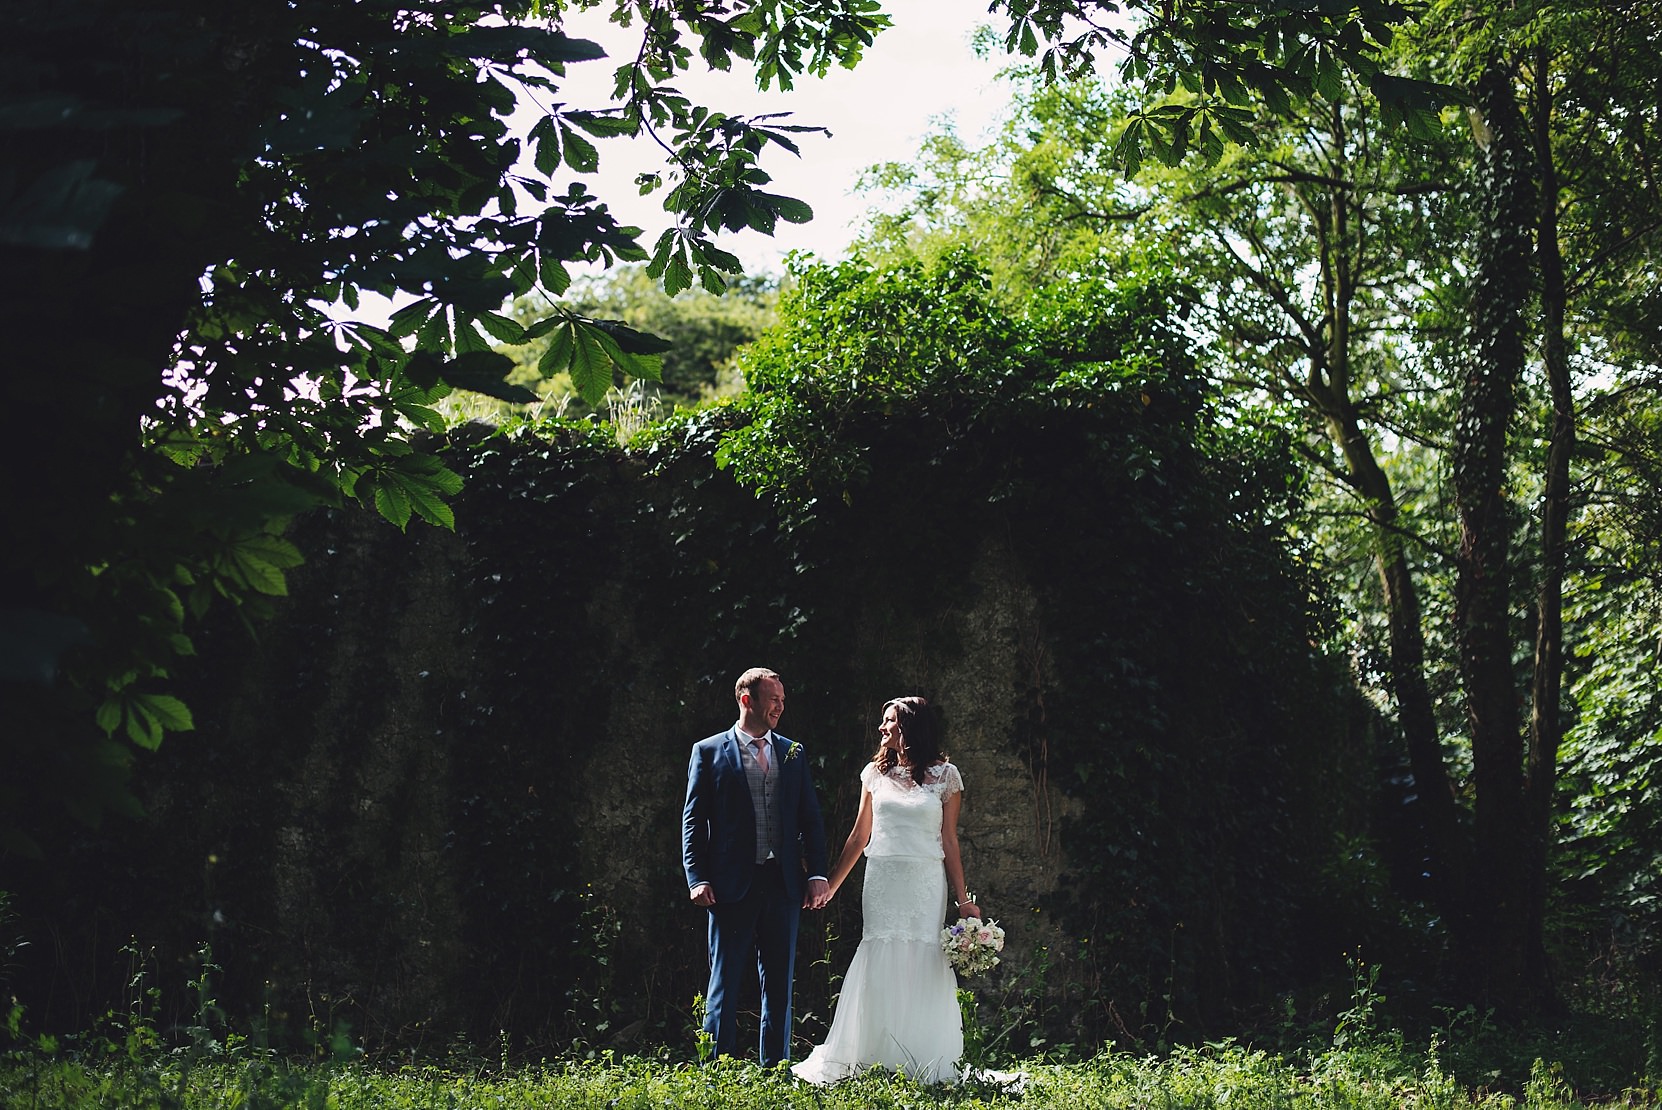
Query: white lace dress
{"type": "Point", "coordinates": [899, 1003]}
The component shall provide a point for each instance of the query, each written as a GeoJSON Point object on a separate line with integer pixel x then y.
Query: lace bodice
{"type": "Point", "coordinates": [906, 815]}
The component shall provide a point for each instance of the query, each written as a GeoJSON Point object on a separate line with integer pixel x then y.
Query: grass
{"type": "Point", "coordinates": [1360, 1061]}
{"type": "Point", "coordinates": [1224, 1075]}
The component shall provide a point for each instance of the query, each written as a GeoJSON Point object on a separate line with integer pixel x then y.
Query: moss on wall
{"type": "Point", "coordinates": [439, 796]}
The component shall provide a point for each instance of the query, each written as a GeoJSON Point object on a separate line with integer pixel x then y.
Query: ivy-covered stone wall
{"type": "Point", "coordinates": [438, 798]}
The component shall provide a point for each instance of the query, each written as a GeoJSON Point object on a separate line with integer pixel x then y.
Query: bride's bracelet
{"type": "Point", "coordinates": [969, 899]}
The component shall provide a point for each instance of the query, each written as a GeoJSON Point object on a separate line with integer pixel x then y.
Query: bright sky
{"type": "Point", "coordinates": [919, 70]}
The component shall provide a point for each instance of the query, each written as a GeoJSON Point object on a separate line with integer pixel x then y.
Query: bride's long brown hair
{"type": "Point", "coordinates": [920, 728]}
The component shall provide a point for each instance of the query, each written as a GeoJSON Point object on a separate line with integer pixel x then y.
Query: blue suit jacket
{"type": "Point", "coordinates": [718, 825]}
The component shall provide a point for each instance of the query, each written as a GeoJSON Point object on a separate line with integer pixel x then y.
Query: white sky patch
{"type": "Point", "coordinates": [919, 70]}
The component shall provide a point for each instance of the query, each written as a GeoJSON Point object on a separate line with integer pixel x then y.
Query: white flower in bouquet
{"type": "Point", "coordinates": [972, 945]}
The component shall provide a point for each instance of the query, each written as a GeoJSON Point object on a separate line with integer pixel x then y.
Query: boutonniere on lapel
{"type": "Point", "coordinates": [791, 750]}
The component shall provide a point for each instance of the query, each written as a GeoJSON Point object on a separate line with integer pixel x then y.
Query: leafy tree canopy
{"type": "Point", "coordinates": [1202, 67]}
{"type": "Point", "coordinates": [1353, 287]}
{"type": "Point", "coordinates": [702, 330]}
{"type": "Point", "coordinates": [214, 178]}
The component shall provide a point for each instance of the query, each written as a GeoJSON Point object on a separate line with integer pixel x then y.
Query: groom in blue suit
{"type": "Point", "coordinates": [754, 851]}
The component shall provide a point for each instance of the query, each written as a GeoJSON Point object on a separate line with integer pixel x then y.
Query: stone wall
{"type": "Point", "coordinates": [438, 797]}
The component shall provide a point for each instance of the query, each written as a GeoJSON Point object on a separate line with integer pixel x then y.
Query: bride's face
{"type": "Point", "coordinates": [893, 739]}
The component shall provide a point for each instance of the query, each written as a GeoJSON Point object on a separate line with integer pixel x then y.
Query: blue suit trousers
{"type": "Point", "coordinates": [759, 930]}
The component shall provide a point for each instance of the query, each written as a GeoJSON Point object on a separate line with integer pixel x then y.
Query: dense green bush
{"type": "Point", "coordinates": [1215, 764]}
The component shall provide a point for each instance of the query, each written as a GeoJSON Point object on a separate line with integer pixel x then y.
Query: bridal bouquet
{"type": "Point", "coordinates": [972, 945]}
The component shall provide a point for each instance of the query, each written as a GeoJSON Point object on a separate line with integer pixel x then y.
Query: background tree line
{"type": "Point", "coordinates": [1457, 324]}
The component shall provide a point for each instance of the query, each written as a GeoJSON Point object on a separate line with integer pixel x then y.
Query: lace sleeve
{"type": "Point", "coordinates": [951, 781]}
{"type": "Point", "coordinates": [868, 775]}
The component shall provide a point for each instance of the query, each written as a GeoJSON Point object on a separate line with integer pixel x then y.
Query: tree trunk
{"type": "Point", "coordinates": [1501, 949]}
{"type": "Point", "coordinates": [1329, 388]}
{"type": "Point", "coordinates": [1445, 849]}
{"type": "Point", "coordinates": [1546, 724]}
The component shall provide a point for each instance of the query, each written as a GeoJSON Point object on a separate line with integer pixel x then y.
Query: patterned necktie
{"type": "Point", "coordinates": [762, 754]}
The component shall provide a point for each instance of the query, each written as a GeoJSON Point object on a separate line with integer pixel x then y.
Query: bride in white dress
{"type": "Point", "coordinates": [899, 1003]}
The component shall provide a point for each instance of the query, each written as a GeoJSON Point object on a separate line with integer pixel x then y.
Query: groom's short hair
{"type": "Point", "coordinates": [748, 680]}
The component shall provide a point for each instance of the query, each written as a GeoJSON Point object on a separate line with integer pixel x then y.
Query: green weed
{"type": "Point", "coordinates": [1360, 1063]}
{"type": "Point", "coordinates": [1220, 1075]}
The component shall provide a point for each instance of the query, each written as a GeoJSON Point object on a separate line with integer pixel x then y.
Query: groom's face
{"type": "Point", "coordinates": [767, 702]}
